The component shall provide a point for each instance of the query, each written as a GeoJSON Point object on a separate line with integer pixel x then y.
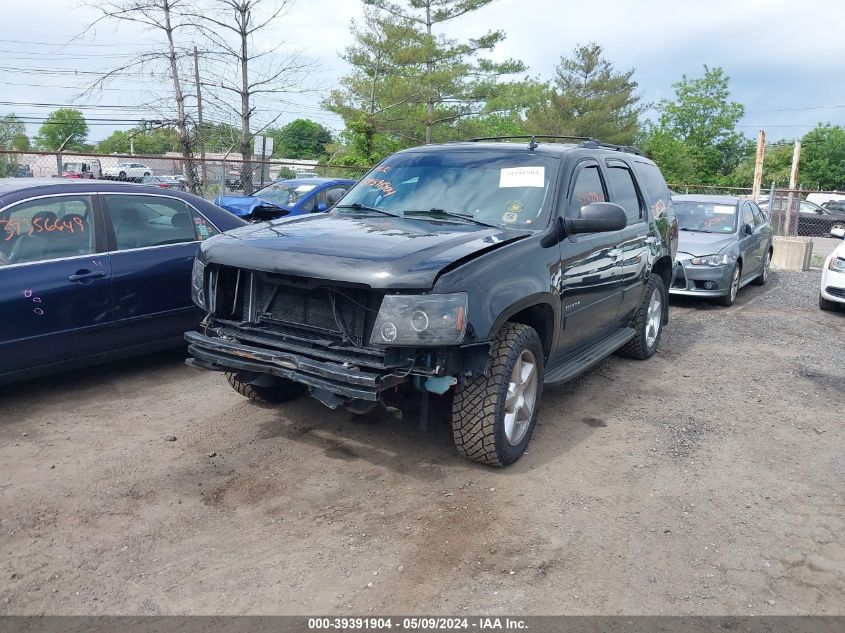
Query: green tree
{"type": "Point", "coordinates": [589, 98]}
{"type": "Point", "coordinates": [13, 133]}
{"type": "Point", "coordinates": [302, 138]}
{"type": "Point", "coordinates": [155, 141]}
{"type": "Point", "coordinates": [697, 128]}
{"type": "Point", "coordinates": [777, 164]}
{"type": "Point", "coordinates": [62, 124]}
{"type": "Point", "coordinates": [410, 83]}
{"type": "Point", "coordinates": [822, 162]}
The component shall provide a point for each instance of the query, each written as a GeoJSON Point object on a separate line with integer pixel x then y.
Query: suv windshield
{"type": "Point", "coordinates": [706, 217]}
{"type": "Point", "coordinates": [501, 188]}
{"type": "Point", "coordinates": [284, 194]}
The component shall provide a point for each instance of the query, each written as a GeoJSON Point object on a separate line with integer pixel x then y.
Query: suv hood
{"type": "Point", "coordinates": [378, 251]}
{"type": "Point", "coordinates": [697, 244]}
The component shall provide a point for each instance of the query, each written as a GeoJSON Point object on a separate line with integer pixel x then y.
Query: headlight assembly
{"type": "Point", "coordinates": [837, 264]}
{"type": "Point", "coordinates": [437, 319]}
{"type": "Point", "coordinates": [198, 284]}
{"type": "Point", "coordinates": [710, 260]}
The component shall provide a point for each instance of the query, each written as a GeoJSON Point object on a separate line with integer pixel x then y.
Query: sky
{"type": "Point", "coordinates": [784, 61]}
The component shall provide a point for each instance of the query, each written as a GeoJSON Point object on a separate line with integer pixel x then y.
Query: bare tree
{"type": "Point", "coordinates": [167, 17]}
{"type": "Point", "coordinates": [232, 26]}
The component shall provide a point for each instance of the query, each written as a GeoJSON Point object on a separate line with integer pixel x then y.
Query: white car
{"type": "Point", "coordinates": [127, 171]}
{"type": "Point", "coordinates": [832, 292]}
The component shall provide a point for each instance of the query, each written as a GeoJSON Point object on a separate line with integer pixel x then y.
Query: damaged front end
{"type": "Point", "coordinates": [347, 343]}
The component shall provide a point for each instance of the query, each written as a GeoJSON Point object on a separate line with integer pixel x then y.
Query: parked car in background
{"type": "Point", "coordinates": [832, 291]}
{"type": "Point", "coordinates": [23, 171]}
{"type": "Point", "coordinates": [82, 169]}
{"type": "Point", "coordinates": [165, 182]}
{"type": "Point", "coordinates": [482, 270]}
{"type": "Point", "coordinates": [93, 271]}
{"type": "Point", "coordinates": [813, 220]}
{"type": "Point", "coordinates": [820, 197]}
{"type": "Point", "coordinates": [725, 243]}
{"type": "Point", "coordinates": [287, 198]}
{"type": "Point", "coordinates": [127, 171]}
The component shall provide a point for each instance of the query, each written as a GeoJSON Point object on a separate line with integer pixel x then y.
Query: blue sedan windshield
{"type": "Point", "coordinates": [284, 194]}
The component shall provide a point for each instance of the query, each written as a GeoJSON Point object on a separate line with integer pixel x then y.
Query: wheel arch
{"type": "Point", "coordinates": [536, 312]}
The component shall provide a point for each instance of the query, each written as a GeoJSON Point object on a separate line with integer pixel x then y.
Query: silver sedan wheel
{"type": "Point", "coordinates": [521, 398]}
{"type": "Point", "coordinates": [654, 317]}
{"type": "Point", "coordinates": [735, 284]}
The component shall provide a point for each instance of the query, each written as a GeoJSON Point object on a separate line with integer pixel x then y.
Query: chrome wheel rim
{"type": "Point", "coordinates": [521, 398]}
{"type": "Point", "coordinates": [735, 284]}
{"type": "Point", "coordinates": [654, 317]}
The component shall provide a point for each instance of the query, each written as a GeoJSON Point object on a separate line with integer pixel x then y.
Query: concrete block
{"type": "Point", "coordinates": [792, 253]}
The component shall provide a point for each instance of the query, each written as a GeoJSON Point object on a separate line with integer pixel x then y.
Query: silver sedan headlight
{"type": "Point", "coordinates": [710, 260]}
{"type": "Point", "coordinates": [436, 319]}
{"type": "Point", "coordinates": [198, 284]}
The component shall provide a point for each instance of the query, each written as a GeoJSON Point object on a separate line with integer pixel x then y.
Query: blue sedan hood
{"type": "Point", "coordinates": [243, 206]}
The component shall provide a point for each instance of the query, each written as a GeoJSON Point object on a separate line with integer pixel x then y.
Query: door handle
{"type": "Point", "coordinates": [614, 252]}
{"type": "Point", "coordinates": [84, 275]}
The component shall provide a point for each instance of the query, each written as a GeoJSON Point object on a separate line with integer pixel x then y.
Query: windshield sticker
{"type": "Point", "coordinates": [522, 177]}
{"type": "Point", "coordinates": [726, 210]}
{"type": "Point", "coordinates": [304, 188]}
{"type": "Point", "coordinates": [382, 185]}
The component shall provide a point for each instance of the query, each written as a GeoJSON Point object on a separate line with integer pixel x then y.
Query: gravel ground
{"type": "Point", "coordinates": [707, 480]}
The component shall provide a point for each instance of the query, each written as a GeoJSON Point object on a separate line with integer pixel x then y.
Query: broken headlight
{"type": "Point", "coordinates": [198, 284]}
{"type": "Point", "coordinates": [437, 319]}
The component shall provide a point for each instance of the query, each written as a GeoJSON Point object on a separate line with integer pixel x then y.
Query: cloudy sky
{"type": "Point", "coordinates": [785, 59]}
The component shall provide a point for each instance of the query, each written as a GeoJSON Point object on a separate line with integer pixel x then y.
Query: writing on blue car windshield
{"type": "Point", "coordinates": [706, 217]}
{"type": "Point", "coordinates": [284, 195]}
{"type": "Point", "coordinates": [500, 188]}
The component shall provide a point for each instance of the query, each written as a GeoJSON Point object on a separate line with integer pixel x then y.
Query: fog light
{"type": "Point", "coordinates": [388, 332]}
{"type": "Point", "coordinates": [710, 285]}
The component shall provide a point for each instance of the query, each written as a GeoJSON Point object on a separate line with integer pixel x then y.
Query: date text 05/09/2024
{"type": "Point", "coordinates": [418, 623]}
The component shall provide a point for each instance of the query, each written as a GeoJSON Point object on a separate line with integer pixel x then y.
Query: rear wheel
{"type": "Point", "coordinates": [121, 175]}
{"type": "Point", "coordinates": [264, 388]}
{"type": "Point", "coordinates": [648, 321]}
{"type": "Point", "coordinates": [825, 304]}
{"type": "Point", "coordinates": [728, 299]}
{"type": "Point", "coordinates": [493, 416]}
{"type": "Point", "coordinates": [764, 275]}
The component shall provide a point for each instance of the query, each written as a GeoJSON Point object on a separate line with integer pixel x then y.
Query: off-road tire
{"type": "Point", "coordinates": [283, 391]}
{"type": "Point", "coordinates": [727, 300]}
{"type": "Point", "coordinates": [638, 346]}
{"type": "Point", "coordinates": [478, 405]}
{"type": "Point", "coordinates": [826, 304]}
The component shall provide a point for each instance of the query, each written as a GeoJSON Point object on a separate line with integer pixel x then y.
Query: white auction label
{"type": "Point", "coordinates": [522, 177]}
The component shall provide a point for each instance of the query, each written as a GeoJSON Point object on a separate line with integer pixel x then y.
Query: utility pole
{"type": "Point", "coordinates": [200, 140]}
{"type": "Point", "coordinates": [793, 182]}
{"type": "Point", "coordinates": [758, 165]}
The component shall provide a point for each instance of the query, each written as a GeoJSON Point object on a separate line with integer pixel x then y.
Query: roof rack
{"type": "Point", "coordinates": [586, 141]}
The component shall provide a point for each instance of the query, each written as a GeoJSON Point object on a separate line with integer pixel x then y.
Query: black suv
{"type": "Point", "coordinates": [484, 269]}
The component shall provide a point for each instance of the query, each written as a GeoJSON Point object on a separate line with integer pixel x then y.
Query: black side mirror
{"type": "Point", "coordinates": [598, 217]}
{"type": "Point", "coordinates": [748, 229]}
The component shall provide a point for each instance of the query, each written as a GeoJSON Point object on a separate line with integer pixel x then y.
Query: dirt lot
{"type": "Point", "coordinates": [708, 480]}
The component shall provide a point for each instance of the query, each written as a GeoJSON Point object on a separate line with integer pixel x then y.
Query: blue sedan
{"type": "Point", "coordinates": [92, 271]}
{"type": "Point", "coordinates": [287, 198]}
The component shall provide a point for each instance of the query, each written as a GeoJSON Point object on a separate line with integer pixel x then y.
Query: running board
{"type": "Point", "coordinates": [581, 362]}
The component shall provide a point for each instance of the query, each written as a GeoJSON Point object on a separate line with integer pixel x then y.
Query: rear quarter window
{"type": "Point", "coordinates": [658, 198]}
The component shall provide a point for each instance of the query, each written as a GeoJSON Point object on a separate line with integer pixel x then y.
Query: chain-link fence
{"type": "Point", "coordinates": [216, 175]}
{"type": "Point", "coordinates": [791, 212]}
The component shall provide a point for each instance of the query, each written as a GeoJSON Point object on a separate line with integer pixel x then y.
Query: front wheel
{"type": "Point", "coordinates": [493, 416]}
{"type": "Point", "coordinates": [728, 299]}
{"type": "Point", "coordinates": [648, 321]}
{"type": "Point", "coordinates": [826, 304]}
{"type": "Point", "coordinates": [264, 388]}
{"type": "Point", "coordinates": [121, 175]}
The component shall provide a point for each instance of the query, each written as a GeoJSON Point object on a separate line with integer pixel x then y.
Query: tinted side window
{"type": "Point", "coordinates": [588, 188]}
{"type": "Point", "coordinates": [747, 215]}
{"type": "Point", "coordinates": [624, 190]}
{"type": "Point", "coordinates": [759, 219]}
{"type": "Point", "coordinates": [655, 189]}
{"type": "Point", "coordinates": [140, 221]}
{"type": "Point", "coordinates": [47, 228]}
